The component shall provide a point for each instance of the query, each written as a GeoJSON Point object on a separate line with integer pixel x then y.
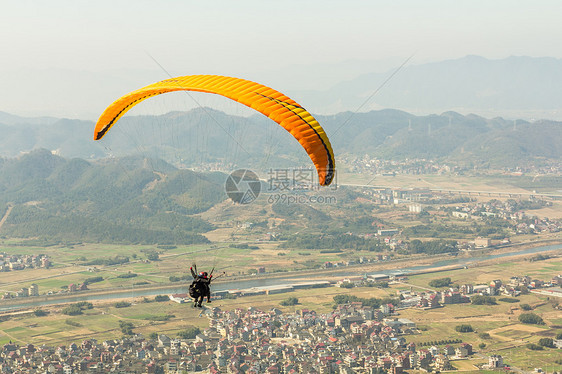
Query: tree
{"type": "Point", "coordinates": [189, 333]}
{"type": "Point", "coordinates": [525, 306]}
{"type": "Point", "coordinates": [531, 318]}
{"type": "Point", "coordinates": [92, 280]}
{"type": "Point", "coordinates": [483, 300]}
{"type": "Point", "coordinates": [433, 246]}
{"type": "Point", "coordinates": [381, 284]}
{"type": "Point", "coordinates": [85, 305]}
{"type": "Point", "coordinates": [464, 328]}
{"type": "Point", "coordinates": [127, 275]}
{"type": "Point", "coordinates": [534, 347]}
{"type": "Point", "coordinates": [373, 301]}
{"type": "Point", "coordinates": [161, 298]}
{"type": "Point", "coordinates": [126, 327]}
{"type": "Point", "coordinates": [72, 310]}
{"type": "Point", "coordinates": [290, 301]}
{"type": "Point", "coordinates": [122, 304]}
{"type": "Point", "coordinates": [346, 285]}
{"type": "Point", "coordinates": [39, 313]}
{"type": "Point", "coordinates": [76, 309]}
{"type": "Point", "coordinates": [153, 256]}
{"type": "Point", "coordinates": [441, 282]}
{"type": "Point", "coordinates": [546, 342]}
{"type": "Point", "coordinates": [508, 299]}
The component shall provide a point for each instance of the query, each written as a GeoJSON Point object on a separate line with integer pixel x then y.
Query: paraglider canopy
{"type": "Point", "coordinates": [280, 108]}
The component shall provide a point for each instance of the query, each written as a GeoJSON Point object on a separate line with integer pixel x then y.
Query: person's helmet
{"type": "Point", "coordinates": [203, 274]}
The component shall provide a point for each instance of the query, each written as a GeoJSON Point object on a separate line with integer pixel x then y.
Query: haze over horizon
{"type": "Point", "coordinates": [71, 59]}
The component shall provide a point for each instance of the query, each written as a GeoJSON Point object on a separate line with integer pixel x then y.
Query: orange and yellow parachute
{"type": "Point", "coordinates": [283, 110]}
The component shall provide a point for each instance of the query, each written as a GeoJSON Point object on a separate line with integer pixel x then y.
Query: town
{"type": "Point", "coordinates": [356, 337]}
{"type": "Point", "coordinates": [12, 262]}
{"type": "Point", "coordinates": [419, 166]}
{"type": "Point", "coordinates": [352, 339]}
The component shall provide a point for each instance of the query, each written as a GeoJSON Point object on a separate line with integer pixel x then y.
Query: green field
{"type": "Point", "coordinates": [483, 275]}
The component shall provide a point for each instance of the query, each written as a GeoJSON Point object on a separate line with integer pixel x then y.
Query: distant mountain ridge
{"type": "Point", "coordinates": [202, 136]}
{"type": "Point", "coordinates": [516, 86]}
{"type": "Point", "coordinates": [513, 87]}
{"type": "Point", "coordinates": [10, 119]}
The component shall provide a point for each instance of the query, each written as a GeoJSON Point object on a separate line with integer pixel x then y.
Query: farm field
{"type": "Point", "coordinates": [222, 256]}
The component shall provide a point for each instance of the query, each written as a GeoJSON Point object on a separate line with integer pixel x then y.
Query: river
{"type": "Point", "coordinates": [262, 282]}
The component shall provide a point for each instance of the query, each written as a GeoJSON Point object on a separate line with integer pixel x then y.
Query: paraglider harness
{"type": "Point", "coordinates": [194, 291]}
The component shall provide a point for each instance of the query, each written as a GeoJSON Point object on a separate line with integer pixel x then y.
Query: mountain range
{"type": "Point", "coordinates": [204, 136]}
{"type": "Point", "coordinates": [517, 87]}
{"type": "Point", "coordinates": [512, 87]}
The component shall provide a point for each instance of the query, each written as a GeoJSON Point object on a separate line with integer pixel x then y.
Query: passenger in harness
{"type": "Point", "coordinates": [200, 287]}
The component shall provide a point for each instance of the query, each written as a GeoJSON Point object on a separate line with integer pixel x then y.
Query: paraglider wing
{"type": "Point", "coordinates": [280, 108]}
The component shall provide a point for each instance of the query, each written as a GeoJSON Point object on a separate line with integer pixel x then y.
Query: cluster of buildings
{"type": "Point", "coordinates": [429, 299]}
{"type": "Point", "coordinates": [360, 260]}
{"type": "Point", "coordinates": [33, 290]}
{"type": "Point", "coordinates": [530, 283]}
{"type": "Point", "coordinates": [394, 196]}
{"type": "Point", "coordinates": [538, 225]}
{"type": "Point", "coordinates": [10, 262]}
{"type": "Point", "coordinates": [523, 223]}
{"type": "Point", "coordinates": [416, 166]}
{"type": "Point", "coordinates": [508, 209]}
{"type": "Point", "coordinates": [368, 164]}
{"type": "Point", "coordinates": [546, 167]}
{"type": "Point", "coordinates": [352, 339]}
{"type": "Point", "coordinates": [516, 212]}
{"type": "Point", "coordinates": [516, 283]}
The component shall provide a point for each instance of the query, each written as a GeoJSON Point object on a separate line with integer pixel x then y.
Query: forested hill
{"type": "Point", "coordinates": [129, 200]}
{"type": "Point", "coordinates": [204, 136]}
{"type": "Point", "coordinates": [471, 139]}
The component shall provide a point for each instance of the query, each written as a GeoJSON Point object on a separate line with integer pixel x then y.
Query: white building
{"type": "Point", "coordinates": [495, 361]}
{"type": "Point", "coordinates": [34, 290]}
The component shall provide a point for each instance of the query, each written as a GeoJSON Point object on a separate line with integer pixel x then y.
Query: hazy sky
{"type": "Point", "coordinates": [260, 39]}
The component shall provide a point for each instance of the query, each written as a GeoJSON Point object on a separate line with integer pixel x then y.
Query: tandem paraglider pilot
{"type": "Point", "coordinates": [200, 287]}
